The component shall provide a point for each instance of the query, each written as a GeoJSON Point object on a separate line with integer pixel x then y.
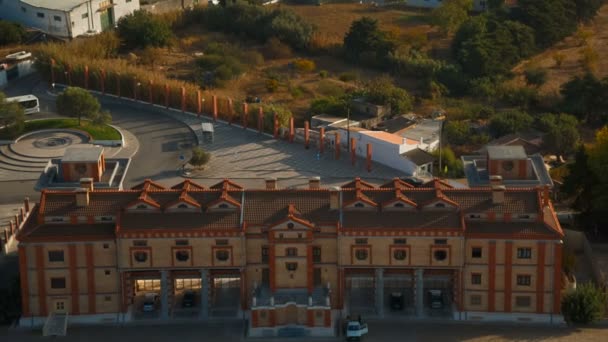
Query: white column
{"type": "Point", "coordinates": [204, 312]}
{"type": "Point", "coordinates": [380, 291]}
{"type": "Point", "coordinates": [164, 307]}
{"type": "Point", "coordinates": [419, 292]}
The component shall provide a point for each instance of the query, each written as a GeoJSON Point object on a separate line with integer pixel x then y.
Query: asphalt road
{"type": "Point", "coordinates": [161, 139]}
{"type": "Point", "coordinates": [396, 331]}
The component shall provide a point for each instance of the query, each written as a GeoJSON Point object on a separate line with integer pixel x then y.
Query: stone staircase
{"type": "Point", "coordinates": [17, 166]}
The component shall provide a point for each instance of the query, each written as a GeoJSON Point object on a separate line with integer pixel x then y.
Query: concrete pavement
{"type": "Point", "coordinates": [229, 331]}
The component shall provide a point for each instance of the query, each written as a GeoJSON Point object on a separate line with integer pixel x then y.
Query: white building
{"type": "Point", "coordinates": [67, 18]}
{"type": "Point", "coordinates": [388, 149]}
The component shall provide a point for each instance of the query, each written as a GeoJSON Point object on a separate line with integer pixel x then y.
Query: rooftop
{"type": "Point", "coordinates": [361, 206]}
{"type": "Point", "coordinates": [506, 152]}
{"type": "Point", "coordinates": [384, 136]}
{"type": "Point", "coordinates": [427, 130]}
{"type": "Point", "coordinates": [418, 157]}
{"type": "Point", "coordinates": [476, 172]}
{"type": "Point", "coordinates": [82, 154]}
{"type": "Point", "coordinates": [61, 5]}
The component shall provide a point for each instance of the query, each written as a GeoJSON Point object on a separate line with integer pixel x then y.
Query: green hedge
{"type": "Point", "coordinates": [97, 132]}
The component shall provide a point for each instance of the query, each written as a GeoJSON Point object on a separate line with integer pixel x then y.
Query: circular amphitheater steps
{"type": "Point", "coordinates": [13, 162]}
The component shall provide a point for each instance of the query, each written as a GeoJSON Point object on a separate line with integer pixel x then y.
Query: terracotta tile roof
{"type": "Point", "coordinates": [515, 229]}
{"type": "Point", "coordinates": [226, 184]}
{"type": "Point", "coordinates": [188, 185]}
{"type": "Point", "coordinates": [268, 207]}
{"type": "Point", "coordinates": [396, 183]}
{"type": "Point", "coordinates": [148, 184]}
{"type": "Point", "coordinates": [72, 230]}
{"type": "Point", "coordinates": [359, 184]}
{"type": "Point", "coordinates": [407, 220]}
{"type": "Point", "coordinates": [101, 203]}
{"type": "Point", "coordinates": [178, 221]}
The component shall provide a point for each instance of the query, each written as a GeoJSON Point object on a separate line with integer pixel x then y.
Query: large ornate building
{"type": "Point", "coordinates": [292, 257]}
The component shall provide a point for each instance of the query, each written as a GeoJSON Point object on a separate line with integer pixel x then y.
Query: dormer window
{"type": "Point", "coordinates": [182, 206]}
{"type": "Point", "coordinates": [474, 216]}
{"type": "Point", "coordinates": [524, 217]}
{"type": "Point", "coordinates": [290, 225]}
{"type": "Point", "coordinates": [223, 206]}
{"type": "Point", "coordinates": [359, 205]}
{"type": "Point", "coordinates": [141, 206]}
{"type": "Point", "coordinates": [440, 205]}
{"type": "Point", "coordinates": [399, 205]}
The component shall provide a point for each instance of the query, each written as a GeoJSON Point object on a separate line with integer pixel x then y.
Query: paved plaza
{"type": "Point", "coordinates": [397, 331]}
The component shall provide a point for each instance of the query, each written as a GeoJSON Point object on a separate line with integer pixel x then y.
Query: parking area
{"type": "Point", "coordinates": [226, 295]}
{"type": "Point", "coordinates": [187, 297]}
{"type": "Point", "coordinates": [146, 300]}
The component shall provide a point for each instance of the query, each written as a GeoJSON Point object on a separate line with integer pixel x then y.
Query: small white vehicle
{"type": "Point", "coordinates": [150, 301]}
{"type": "Point", "coordinates": [355, 330]}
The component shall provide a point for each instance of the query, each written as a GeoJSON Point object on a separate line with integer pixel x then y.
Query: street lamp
{"type": "Point", "coordinates": [137, 85]}
{"type": "Point", "coordinates": [203, 105]}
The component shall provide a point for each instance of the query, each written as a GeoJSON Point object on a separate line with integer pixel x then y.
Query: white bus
{"type": "Point", "coordinates": [29, 103]}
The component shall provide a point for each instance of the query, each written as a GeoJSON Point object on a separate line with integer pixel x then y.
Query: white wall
{"type": "Point", "coordinates": [66, 24]}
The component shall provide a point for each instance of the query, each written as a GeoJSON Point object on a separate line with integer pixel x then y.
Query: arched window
{"type": "Point", "coordinates": [439, 205]}
{"type": "Point", "coordinates": [142, 206]}
{"type": "Point", "coordinates": [182, 206]}
{"type": "Point", "coordinates": [399, 205]}
{"type": "Point", "coordinates": [223, 206]}
{"type": "Point", "coordinates": [359, 205]}
{"type": "Point", "coordinates": [290, 225]}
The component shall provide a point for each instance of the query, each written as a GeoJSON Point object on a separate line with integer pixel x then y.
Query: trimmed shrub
{"type": "Point", "coordinates": [199, 157]}
{"type": "Point", "coordinates": [584, 305]}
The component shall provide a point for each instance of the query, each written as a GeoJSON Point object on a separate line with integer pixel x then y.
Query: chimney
{"type": "Point", "coordinates": [271, 183]}
{"type": "Point", "coordinates": [334, 198]}
{"type": "Point", "coordinates": [498, 194]}
{"type": "Point", "coordinates": [314, 183]}
{"type": "Point", "coordinates": [86, 183]}
{"type": "Point", "coordinates": [82, 197]}
{"type": "Point", "coordinates": [495, 180]}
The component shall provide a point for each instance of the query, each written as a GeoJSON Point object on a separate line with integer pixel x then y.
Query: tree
{"type": "Point", "coordinates": [580, 182]}
{"type": "Point", "coordinates": [11, 115]}
{"type": "Point", "coordinates": [598, 164]}
{"type": "Point", "coordinates": [587, 9]}
{"type": "Point", "coordinates": [535, 76]}
{"type": "Point", "coordinates": [562, 133]}
{"type": "Point", "coordinates": [552, 20]}
{"type": "Point", "coordinates": [457, 132]}
{"type": "Point", "coordinates": [102, 118]}
{"type": "Point", "coordinates": [291, 29]}
{"type": "Point", "coordinates": [450, 163]}
{"type": "Point", "coordinates": [11, 33]}
{"type": "Point", "coordinates": [451, 14]}
{"type": "Point", "coordinates": [586, 97]}
{"type": "Point", "coordinates": [199, 157]}
{"type": "Point", "coordinates": [584, 305]}
{"type": "Point", "coordinates": [77, 102]}
{"type": "Point", "coordinates": [142, 29]}
{"type": "Point", "coordinates": [365, 37]}
{"type": "Point", "coordinates": [489, 46]}
{"type": "Point", "coordinates": [512, 121]}
{"type": "Point", "coordinates": [382, 91]}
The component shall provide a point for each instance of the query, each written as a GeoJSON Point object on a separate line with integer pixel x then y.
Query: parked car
{"type": "Point", "coordinates": [355, 330]}
{"type": "Point", "coordinates": [397, 302]}
{"type": "Point", "coordinates": [436, 299]}
{"type": "Point", "coordinates": [188, 299]}
{"type": "Point", "coordinates": [150, 301]}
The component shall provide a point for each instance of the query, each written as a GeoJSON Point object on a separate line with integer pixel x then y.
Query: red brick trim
{"type": "Point", "coordinates": [254, 318]}
{"type": "Point", "coordinates": [540, 278]}
{"type": "Point", "coordinates": [310, 318]}
{"type": "Point", "coordinates": [309, 269]}
{"type": "Point", "coordinates": [557, 278]}
{"type": "Point", "coordinates": [327, 318]}
{"type": "Point", "coordinates": [25, 286]}
{"type": "Point", "coordinates": [492, 276]}
{"type": "Point", "coordinates": [272, 267]}
{"type": "Point", "coordinates": [244, 299]}
{"type": "Point", "coordinates": [74, 280]}
{"type": "Point", "coordinates": [508, 274]}
{"type": "Point", "coordinates": [90, 278]}
{"type": "Point", "coordinates": [42, 304]}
